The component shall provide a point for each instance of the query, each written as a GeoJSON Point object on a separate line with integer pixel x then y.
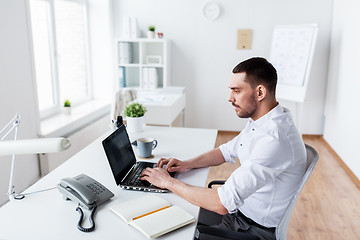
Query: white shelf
{"type": "Point", "coordinates": [129, 65]}
{"type": "Point", "coordinates": [132, 67]}
{"type": "Point", "coordinates": [136, 40]}
{"type": "Point", "coordinates": [153, 65]}
{"type": "Point", "coordinates": [141, 65]}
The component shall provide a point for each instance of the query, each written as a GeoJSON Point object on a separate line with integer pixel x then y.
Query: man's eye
{"type": "Point", "coordinates": [236, 91]}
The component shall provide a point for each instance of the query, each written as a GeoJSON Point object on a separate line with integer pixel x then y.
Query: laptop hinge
{"type": "Point", "coordinates": [129, 172]}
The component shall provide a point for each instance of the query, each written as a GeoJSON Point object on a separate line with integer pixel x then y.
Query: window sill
{"type": "Point", "coordinates": [63, 125]}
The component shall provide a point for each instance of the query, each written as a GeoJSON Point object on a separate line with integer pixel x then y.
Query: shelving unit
{"type": "Point", "coordinates": [142, 63]}
{"type": "Point", "coordinates": [142, 60]}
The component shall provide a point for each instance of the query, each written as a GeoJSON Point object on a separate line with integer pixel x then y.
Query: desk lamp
{"type": "Point", "coordinates": [28, 146]}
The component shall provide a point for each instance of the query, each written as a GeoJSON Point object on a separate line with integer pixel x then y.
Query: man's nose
{"type": "Point", "coordinates": [231, 99]}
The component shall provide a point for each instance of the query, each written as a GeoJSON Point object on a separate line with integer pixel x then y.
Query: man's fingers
{"type": "Point", "coordinates": [146, 171]}
{"type": "Point", "coordinates": [144, 177]}
{"type": "Point", "coordinates": [162, 162]}
{"type": "Point", "coordinates": [172, 162]}
{"type": "Point", "coordinates": [173, 169]}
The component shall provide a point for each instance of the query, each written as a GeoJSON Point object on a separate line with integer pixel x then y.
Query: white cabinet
{"type": "Point", "coordinates": [142, 63]}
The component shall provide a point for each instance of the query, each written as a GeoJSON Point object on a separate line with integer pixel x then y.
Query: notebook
{"type": "Point", "coordinates": [152, 215]}
{"type": "Point", "coordinates": [126, 170]}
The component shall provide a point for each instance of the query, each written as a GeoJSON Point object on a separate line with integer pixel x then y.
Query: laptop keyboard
{"type": "Point", "coordinates": [135, 176]}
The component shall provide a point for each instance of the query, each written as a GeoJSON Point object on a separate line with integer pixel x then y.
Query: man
{"type": "Point", "coordinates": [271, 152]}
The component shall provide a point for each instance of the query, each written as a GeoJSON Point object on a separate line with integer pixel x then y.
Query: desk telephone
{"type": "Point", "coordinates": [87, 192]}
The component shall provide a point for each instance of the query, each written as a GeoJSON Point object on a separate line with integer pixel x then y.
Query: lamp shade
{"type": "Point", "coordinates": [32, 146]}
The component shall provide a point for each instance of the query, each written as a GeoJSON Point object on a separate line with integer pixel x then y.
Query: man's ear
{"type": "Point", "coordinates": [261, 92]}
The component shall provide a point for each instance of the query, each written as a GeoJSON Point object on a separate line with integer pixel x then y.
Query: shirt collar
{"type": "Point", "coordinates": [276, 111]}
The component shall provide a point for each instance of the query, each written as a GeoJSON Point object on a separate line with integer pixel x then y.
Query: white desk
{"type": "Point", "coordinates": [164, 106]}
{"type": "Point", "coordinates": [47, 216]}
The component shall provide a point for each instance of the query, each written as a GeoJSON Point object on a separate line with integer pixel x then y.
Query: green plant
{"type": "Point", "coordinates": [67, 103]}
{"type": "Point", "coordinates": [152, 28]}
{"type": "Point", "coordinates": [134, 110]}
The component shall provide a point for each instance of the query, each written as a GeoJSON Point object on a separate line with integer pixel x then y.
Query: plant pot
{"type": "Point", "coordinates": [135, 124]}
{"type": "Point", "coordinates": [67, 110]}
{"type": "Point", "coordinates": [151, 34]}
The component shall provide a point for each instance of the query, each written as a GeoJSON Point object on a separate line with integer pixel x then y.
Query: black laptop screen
{"type": "Point", "coordinates": [119, 152]}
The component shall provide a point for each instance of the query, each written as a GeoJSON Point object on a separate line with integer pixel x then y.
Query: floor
{"type": "Point", "coordinates": [329, 204]}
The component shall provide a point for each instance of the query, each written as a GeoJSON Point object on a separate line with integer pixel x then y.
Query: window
{"type": "Point", "coordinates": [60, 43]}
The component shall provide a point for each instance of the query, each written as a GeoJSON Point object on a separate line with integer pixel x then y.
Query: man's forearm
{"type": "Point", "coordinates": [211, 158]}
{"type": "Point", "coordinates": [206, 198]}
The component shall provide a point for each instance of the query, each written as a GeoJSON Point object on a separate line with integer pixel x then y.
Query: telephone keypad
{"type": "Point", "coordinates": [96, 188]}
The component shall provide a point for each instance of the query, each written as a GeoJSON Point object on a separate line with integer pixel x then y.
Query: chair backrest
{"type": "Point", "coordinates": [311, 159]}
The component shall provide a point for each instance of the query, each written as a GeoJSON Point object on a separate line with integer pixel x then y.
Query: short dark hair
{"type": "Point", "coordinates": [258, 71]}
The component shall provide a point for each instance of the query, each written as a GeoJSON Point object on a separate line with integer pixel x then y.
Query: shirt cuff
{"type": "Point", "coordinates": [226, 155]}
{"type": "Point", "coordinates": [227, 202]}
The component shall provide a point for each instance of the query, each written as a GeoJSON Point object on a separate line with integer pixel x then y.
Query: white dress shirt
{"type": "Point", "coordinates": [273, 158]}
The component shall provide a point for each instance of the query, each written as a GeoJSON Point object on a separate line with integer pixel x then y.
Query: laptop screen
{"type": "Point", "coordinates": [119, 152]}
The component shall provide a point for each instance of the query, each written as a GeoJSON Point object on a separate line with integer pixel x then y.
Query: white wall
{"type": "Point", "coordinates": [16, 91]}
{"type": "Point", "coordinates": [203, 52]}
{"type": "Point", "coordinates": [101, 41]}
{"type": "Point", "coordinates": [342, 102]}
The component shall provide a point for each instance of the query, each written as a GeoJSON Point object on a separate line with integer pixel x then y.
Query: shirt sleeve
{"type": "Point", "coordinates": [228, 149]}
{"type": "Point", "coordinates": [267, 160]}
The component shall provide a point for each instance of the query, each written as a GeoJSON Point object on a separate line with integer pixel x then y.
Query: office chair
{"type": "Point", "coordinates": [281, 230]}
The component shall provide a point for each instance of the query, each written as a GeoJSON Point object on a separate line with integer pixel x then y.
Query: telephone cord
{"type": "Point", "coordinates": [91, 219]}
{"type": "Point", "coordinates": [20, 196]}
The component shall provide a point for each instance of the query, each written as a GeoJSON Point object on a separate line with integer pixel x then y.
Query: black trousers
{"type": "Point", "coordinates": [234, 222]}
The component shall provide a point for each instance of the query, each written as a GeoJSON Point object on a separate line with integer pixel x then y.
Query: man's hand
{"type": "Point", "coordinates": [156, 176]}
{"type": "Point", "coordinates": [213, 157]}
{"type": "Point", "coordinates": [207, 198]}
{"type": "Point", "coordinates": [173, 165]}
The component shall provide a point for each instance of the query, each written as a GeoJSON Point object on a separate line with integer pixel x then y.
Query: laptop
{"type": "Point", "coordinates": [123, 164]}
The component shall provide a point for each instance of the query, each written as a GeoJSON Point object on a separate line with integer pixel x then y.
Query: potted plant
{"type": "Point", "coordinates": [134, 113]}
{"type": "Point", "coordinates": [151, 32]}
{"type": "Point", "coordinates": [67, 107]}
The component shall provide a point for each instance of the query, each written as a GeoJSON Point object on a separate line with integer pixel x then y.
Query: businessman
{"type": "Point", "coordinates": [271, 152]}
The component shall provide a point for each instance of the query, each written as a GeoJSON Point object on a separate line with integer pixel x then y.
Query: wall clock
{"type": "Point", "coordinates": [211, 10]}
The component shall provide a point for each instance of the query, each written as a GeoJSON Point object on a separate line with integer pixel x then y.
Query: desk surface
{"type": "Point", "coordinates": [46, 215]}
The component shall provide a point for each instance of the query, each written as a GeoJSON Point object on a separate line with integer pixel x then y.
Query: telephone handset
{"type": "Point", "coordinates": [86, 191]}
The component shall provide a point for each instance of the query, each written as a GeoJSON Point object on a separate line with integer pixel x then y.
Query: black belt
{"type": "Point", "coordinates": [252, 222]}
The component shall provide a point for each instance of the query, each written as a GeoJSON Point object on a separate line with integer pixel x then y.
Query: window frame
{"type": "Point", "coordinates": [57, 104]}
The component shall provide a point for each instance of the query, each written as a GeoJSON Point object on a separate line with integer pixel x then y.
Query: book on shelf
{"type": "Point", "coordinates": [130, 28]}
{"type": "Point", "coordinates": [134, 29]}
{"type": "Point", "coordinates": [144, 81]}
{"type": "Point", "coordinates": [125, 53]}
{"type": "Point", "coordinates": [126, 31]}
{"type": "Point", "coordinates": [152, 215]}
{"type": "Point", "coordinates": [122, 77]}
{"type": "Point", "coordinates": [150, 78]}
